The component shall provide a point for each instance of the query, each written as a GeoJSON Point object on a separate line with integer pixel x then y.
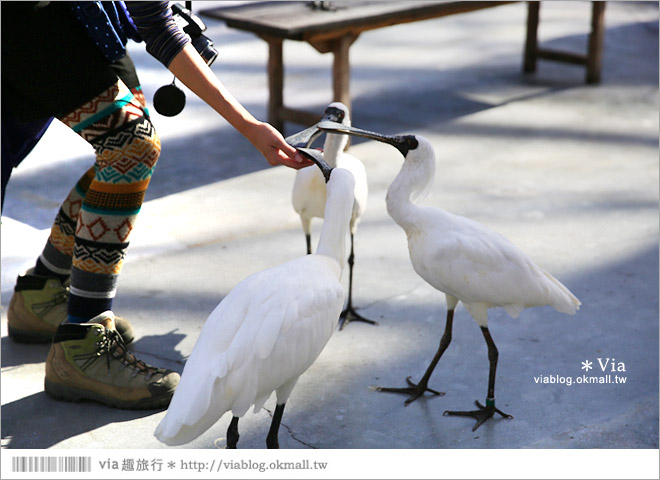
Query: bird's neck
{"type": "Point", "coordinates": [412, 182]}
{"type": "Point", "coordinates": [338, 209]}
{"type": "Point", "coordinates": [333, 147]}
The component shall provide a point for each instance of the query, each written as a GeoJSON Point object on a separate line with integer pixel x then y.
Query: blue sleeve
{"type": "Point", "coordinates": [158, 29]}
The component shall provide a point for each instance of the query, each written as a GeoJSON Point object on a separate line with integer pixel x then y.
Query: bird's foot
{"type": "Point", "coordinates": [350, 315]}
{"type": "Point", "coordinates": [415, 390]}
{"type": "Point", "coordinates": [481, 415]}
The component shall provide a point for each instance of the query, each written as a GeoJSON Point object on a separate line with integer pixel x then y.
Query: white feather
{"type": "Point", "coordinates": [463, 258]}
{"type": "Point", "coordinates": [308, 193]}
{"type": "Point", "coordinates": [265, 333]}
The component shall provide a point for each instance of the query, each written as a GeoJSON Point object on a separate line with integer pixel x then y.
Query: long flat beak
{"type": "Point", "coordinates": [317, 157]}
{"type": "Point", "coordinates": [403, 143]}
{"type": "Point", "coordinates": [306, 137]}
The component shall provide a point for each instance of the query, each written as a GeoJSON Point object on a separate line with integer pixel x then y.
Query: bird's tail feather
{"type": "Point", "coordinates": [565, 301]}
{"type": "Point", "coordinates": [195, 407]}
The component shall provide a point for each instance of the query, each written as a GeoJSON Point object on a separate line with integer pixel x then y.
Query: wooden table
{"type": "Point", "coordinates": [334, 31]}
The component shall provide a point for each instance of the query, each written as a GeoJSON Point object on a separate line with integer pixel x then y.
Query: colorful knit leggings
{"type": "Point", "coordinates": [90, 234]}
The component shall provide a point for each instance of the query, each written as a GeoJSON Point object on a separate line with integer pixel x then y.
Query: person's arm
{"type": "Point", "coordinates": [166, 42]}
{"type": "Point", "coordinates": [189, 67]}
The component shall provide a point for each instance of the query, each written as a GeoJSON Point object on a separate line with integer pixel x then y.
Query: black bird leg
{"type": "Point", "coordinates": [484, 413]}
{"type": "Point", "coordinates": [272, 438]}
{"type": "Point", "coordinates": [349, 314]}
{"type": "Point", "coordinates": [308, 239]}
{"type": "Point", "coordinates": [417, 390]}
{"type": "Point", "coordinates": [232, 433]}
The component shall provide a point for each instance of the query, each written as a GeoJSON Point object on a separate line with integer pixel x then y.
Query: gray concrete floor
{"type": "Point", "coordinates": [568, 172]}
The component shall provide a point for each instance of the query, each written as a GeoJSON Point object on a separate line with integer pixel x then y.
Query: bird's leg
{"type": "Point", "coordinates": [349, 314]}
{"type": "Point", "coordinates": [485, 412]}
{"type": "Point", "coordinates": [232, 433]}
{"type": "Point", "coordinates": [308, 239]}
{"type": "Point", "coordinates": [417, 390]}
{"type": "Point", "coordinates": [272, 440]}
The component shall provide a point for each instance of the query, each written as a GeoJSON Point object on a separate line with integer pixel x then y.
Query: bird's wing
{"type": "Point", "coordinates": [195, 405]}
{"type": "Point", "coordinates": [245, 345]}
{"type": "Point", "coordinates": [477, 265]}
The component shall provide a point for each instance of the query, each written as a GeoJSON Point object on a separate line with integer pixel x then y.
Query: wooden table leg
{"type": "Point", "coordinates": [531, 42]}
{"type": "Point", "coordinates": [275, 82]}
{"type": "Point", "coordinates": [593, 58]}
{"type": "Point", "coordinates": [341, 70]}
{"type": "Point", "coordinates": [595, 48]}
{"type": "Point", "coordinates": [341, 74]}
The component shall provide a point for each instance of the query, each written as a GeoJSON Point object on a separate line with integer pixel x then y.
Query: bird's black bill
{"type": "Point", "coordinates": [317, 157]}
{"type": "Point", "coordinates": [306, 138]}
{"type": "Point", "coordinates": [403, 143]}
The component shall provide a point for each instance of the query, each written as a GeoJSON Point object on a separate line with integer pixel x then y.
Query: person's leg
{"type": "Point", "coordinates": [127, 148]}
{"type": "Point", "coordinates": [88, 358]}
{"type": "Point", "coordinates": [55, 260]}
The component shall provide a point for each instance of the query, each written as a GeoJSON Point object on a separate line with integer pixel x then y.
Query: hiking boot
{"type": "Point", "coordinates": [38, 307]}
{"type": "Point", "coordinates": [89, 361]}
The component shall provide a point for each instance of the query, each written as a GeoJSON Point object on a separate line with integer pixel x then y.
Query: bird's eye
{"type": "Point", "coordinates": [341, 116]}
{"type": "Point", "coordinates": [412, 142]}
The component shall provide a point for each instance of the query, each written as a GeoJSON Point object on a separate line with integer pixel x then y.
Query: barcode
{"type": "Point", "coordinates": [51, 464]}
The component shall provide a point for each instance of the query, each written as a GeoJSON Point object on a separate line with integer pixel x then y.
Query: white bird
{"type": "Point", "coordinates": [308, 194]}
{"type": "Point", "coordinates": [465, 260]}
{"type": "Point", "coordinates": [264, 334]}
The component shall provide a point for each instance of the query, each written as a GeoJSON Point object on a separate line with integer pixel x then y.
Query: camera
{"type": "Point", "coordinates": [192, 25]}
{"type": "Point", "coordinates": [169, 100]}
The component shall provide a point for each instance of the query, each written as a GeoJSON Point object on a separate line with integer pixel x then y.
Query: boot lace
{"type": "Point", "coordinates": [114, 348]}
{"type": "Point", "coordinates": [41, 309]}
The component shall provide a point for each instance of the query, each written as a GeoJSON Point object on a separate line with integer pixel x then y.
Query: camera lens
{"type": "Point", "coordinates": [205, 47]}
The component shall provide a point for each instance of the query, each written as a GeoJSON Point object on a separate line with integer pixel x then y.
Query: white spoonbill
{"type": "Point", "coordinates": [465, 260]}
{"type": "Point", "coordinates": [308, 195]}
{"type": "Point", "coordinates": [265, 333]}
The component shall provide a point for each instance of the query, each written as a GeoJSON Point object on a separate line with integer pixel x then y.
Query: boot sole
{"type": "Point", "coordinates": [71, 394]}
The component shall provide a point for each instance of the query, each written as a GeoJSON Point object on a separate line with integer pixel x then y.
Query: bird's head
{"type": "Point", "coordinates": [317, 157]}
{"type": "Point", "coordinates": [337, 112]}
{"type": "Point", "coordinates": [403, 143]}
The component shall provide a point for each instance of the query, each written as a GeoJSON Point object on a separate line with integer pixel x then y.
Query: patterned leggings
{"type": "Point", "coordinates": [90, 234]}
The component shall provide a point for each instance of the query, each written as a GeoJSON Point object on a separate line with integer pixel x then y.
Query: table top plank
{"type": "Point", "coordinates": [297, 20]}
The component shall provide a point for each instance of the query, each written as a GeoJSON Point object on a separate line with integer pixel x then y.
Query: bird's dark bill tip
{"type": "Point", "coordinates": [313, 154]}
{"type": "Point", "coordinates": [316, 156]}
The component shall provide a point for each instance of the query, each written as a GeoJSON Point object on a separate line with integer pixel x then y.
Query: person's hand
{"type": "Point", "coordinates": [193, 72]}
{"type": "Point", "coordinates": [272, 146]}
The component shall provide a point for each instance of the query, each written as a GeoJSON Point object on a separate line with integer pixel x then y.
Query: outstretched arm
{"type": "Point", "coordinates": [193, 72]}
{"type": "Point", "coordinates": [166, 42]}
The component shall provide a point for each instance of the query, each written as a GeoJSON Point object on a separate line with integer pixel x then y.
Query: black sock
{"type": "Point", "coordinates": [41, 269]}
{"type": "Point", "coordinates": [82, 309]}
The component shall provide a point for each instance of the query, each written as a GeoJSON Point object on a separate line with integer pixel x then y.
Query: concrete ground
{"type": "Point", "coordinates": [567, 171]}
